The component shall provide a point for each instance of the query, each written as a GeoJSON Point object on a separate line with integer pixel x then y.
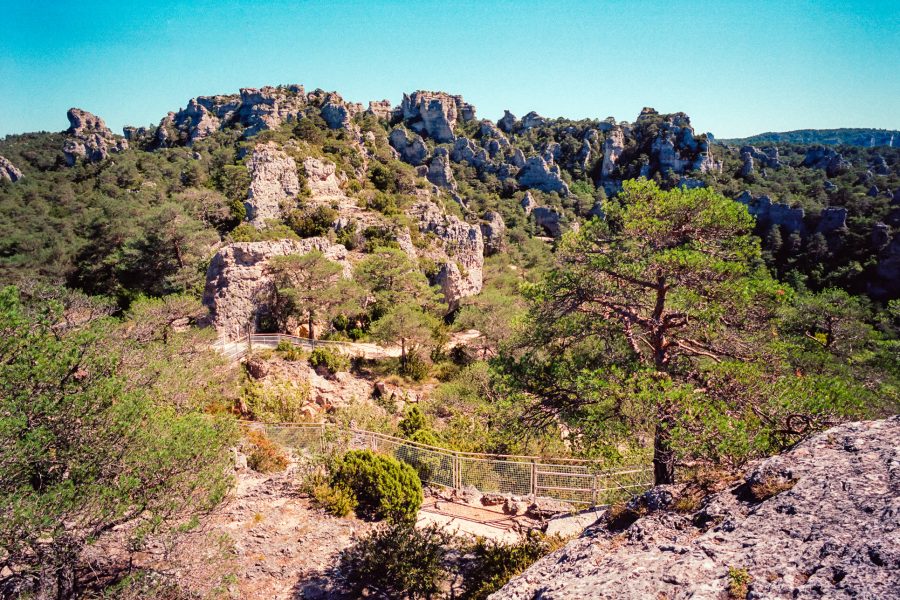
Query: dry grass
{"type": "Point", "coordinates": [769, 487]}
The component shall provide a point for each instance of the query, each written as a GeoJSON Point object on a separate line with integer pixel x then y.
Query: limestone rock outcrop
{"type": "Point", "coordinates": [612, 150]}
{"type": "Point", "coordinates": [381, 109]}
{"type": "Point", "coordinates": [239, 284]}
{"type": "Point", "coordinates": [411, 149]}
{"type": "Point", "coordinates": [548, 219]}
{"type": "Point", "coordinates": [822, 157]}
{"type": "Point", "coordinates": [508, 122]}
{"type": "Point", "coordinates": [768, 158]}
{"type": "Point", "coordinates": [322, 178]}
{"type": "Point", "coordinates": [493, 230]}
{"type": "Point", "coordinates": [273, 181]}
{"type": "Point", "coordinates": [769, 213]}
{"type": "Point", "coordinates": [886, 282]}
{"type": "Point", "coordinates": [435, 114]}
{"type": "Point", "coordinates": [8, 171]}
{"type": "Point", "coordinates": [828, 528]}
{"type": "Point", "coordinates": [439, 171]}
{"type": "Point", "coordinates": [461, 265]}
{"type": "Point", "coordinates": [88, 138]}
{"type": "Point", "coordinates": [833, 218]}
{"type": "Point", "coordinates": [541, 175]}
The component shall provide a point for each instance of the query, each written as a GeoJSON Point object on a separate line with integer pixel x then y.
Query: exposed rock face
{"type": "Point", "coordinates": [435, 114]}
{"type": "Point", "coordinates": [381, 109]}
{"type": "Point", "coordinates": [321, 178]}
{"type": "Point", "coordinates": [531, 120]}
{"type": "Point", "coordinates": [540, 175]}
{"type": "Point", "coordinates": [508, 122]}
{"type": "Point", "coordinates": [773, 213]}
{"type": "Point", "coordinates": [821, 157]}
{"type": "Point", "coordinates": [412, 149]}
{"type": "Point", "coordinates": [273, 180]}
{"type": "Point", "coordinates": [886, 284]}
{"type": "Point", "coordinates": [830, 533]}
{"type": "Point", "coordinates": [89, 138]}
{"type": "Point", "coordinates": [612, 150]}
{"type": "Point", "coordinates": [549, 219]}
{"type": "Point", "coordinates": [461, 272]}
{"type": "Point", "coordinates": [528, 203]}
{"type": "Point", "coordinates": [879, 166]}
{"type": "Point", "coordinates": [439, 172]}
{"type": "Point", "coordinates": [767, 158]}
{"type": "Point", "coordinates": [8, 171]}
{"type": "Point", "coordinates": [493, 230]}
{"type": "Point", "coordinates": [239, 285]}
{"type": "Point", "coordinates": [833, 218]}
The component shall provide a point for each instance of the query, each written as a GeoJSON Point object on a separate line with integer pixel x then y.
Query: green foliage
{"type": "Point", "coordinates": [493, 564]}
{"type": "Point", "coordinates": [311, 222]}
{"type": "Point", "coordinates": [290, 352]}
{"type": "Point", "coordinates": [83, 446]}
{"type": "Point", "coordinates": [329, 360]}
{"type": "Point", "coordinates": [276, 400]}
{"type": "Point", "coordinates": [337, 501]}
{"type": "Point", "coordinates": [384, 487]}
{"type": "Point", "coordinates": [397, 561]}
{"type": "Point", "coordinates": [739, 581]}
{"type": "Point", "coordinates": [413, 421]}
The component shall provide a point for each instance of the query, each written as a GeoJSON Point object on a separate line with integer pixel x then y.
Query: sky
{"type": "Point", "coordinates": [737, 67]}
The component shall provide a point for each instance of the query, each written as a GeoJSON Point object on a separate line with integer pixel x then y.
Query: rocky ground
{"type": "Point", "coordinates": [819, 521]}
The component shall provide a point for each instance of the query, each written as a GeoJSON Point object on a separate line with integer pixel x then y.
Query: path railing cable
{"type": "Point", "coordinates": [579, 481]}
{"type": "Point", "coordinates": [237, 349]}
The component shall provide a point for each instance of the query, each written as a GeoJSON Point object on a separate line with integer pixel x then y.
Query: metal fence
{"type": "Point", "coordinates": [237, 349]}
{"type": "Point", "coordinates": [571, 480]}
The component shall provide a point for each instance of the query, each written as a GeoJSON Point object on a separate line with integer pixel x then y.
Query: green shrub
{"type": "Point", "coordinates": [264, 455]}
{"type": "Point", "coordinates": [276, 401]}
{"type": "Point", "coordinates": [493, 564]}
{"type": "Point", "coordinates": [397, 561]}
{"type": "Point", "coordinates": [311, 222]}
{"type": "Point", "coordinates": [337, 501]}
{"type": "Point", "coordinates": [289, 351]}
{"type": "Point", "coordinates": [328, 359]}
{"type": "Point", "coordinates": [415, 367]}
{"type": "Point", "coordinates": [739, 581]}
{"type": "Point", "coordinates": [384, 487]}
{"type": "Point", "coordinates": [413, 420]}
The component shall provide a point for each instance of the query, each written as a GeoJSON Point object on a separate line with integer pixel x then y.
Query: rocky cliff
{"type": "Point", "coordinates": [273, 181]}
{"type": "Point", "coordinates": [88, 138]}
{"type": "Point", "coordinates": [8, 171]}
{"type": "Point", "coordinates": [819, 521]}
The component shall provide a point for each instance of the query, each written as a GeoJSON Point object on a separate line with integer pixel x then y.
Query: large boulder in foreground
{"type": "Point", "coordinates": [819, 521]}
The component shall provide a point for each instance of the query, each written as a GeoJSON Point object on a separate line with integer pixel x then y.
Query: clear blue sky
{"type": "Point", "coordinates": [738, 67]}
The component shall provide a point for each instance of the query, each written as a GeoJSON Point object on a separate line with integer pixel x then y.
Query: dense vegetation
{"type": "Point", "coordinates": [864, 138]}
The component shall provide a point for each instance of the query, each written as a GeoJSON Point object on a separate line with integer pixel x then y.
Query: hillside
{"type": "Point", "coordinates": [863, 138]}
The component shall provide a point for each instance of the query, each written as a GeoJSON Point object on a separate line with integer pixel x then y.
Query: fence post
{"type": "Point", "coordinates": [372, 443]}
{"type": "Point", "coordinates": [455, 475]}
{"type": "Point", "coordinates": [533, 478]}
{"type": "Point", "coordinates": [322, 437]}
{"type": "Point", "coordinates": [594, 490]}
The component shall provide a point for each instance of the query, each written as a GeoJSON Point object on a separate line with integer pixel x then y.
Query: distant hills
{"type": "Point", "coordinates": [865, 138]}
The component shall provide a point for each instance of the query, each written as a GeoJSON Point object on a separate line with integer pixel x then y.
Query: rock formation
{"type": "Point", "coordinates": [88, 138]}
{"type": "Point", "coordinates": [612, 150]}
{"type": "Point", "coordinates": [821, 157]}
{"type": "Point", "coordinates": [548, 219]}
{"type": "Point", "coordinates": [461, 262]}
{"type": "Point", "coordinates": [435, 114]}
{"type": "Point", "coordinates": [439, 171]}
{"type": "Point", "coordinates": [273, 180]}
{"type": "Point", "coordinates": [8, 171]}
{"type": "Point", "coordinates": [322, 179]}
{"type": "Point", "coordinates": [819, 521]}
{"type": "Point", "coordinates": [769, 213]}
{"type": "Point", "coordinates": [767, 158]}
{"type": "Point", "coordinates": [886, 282]}
{"type": "Point", "coordinates": [832, 219]}
{"type": "Point", "coordinates": [508, 122]}
{"type": "Point", "coordinates": [239, 285]}
{"type": "Point", "coordinates": [493, 230]}
{"type": "Point", "coordinates": [381, 109]}
{"type": "Point", "coordinates": [540, 175]}
{"type": "Point", "coordinates": [411, 149]}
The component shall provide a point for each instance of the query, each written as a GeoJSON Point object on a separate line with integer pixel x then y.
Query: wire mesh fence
{"type": "Point", "coordinates": [571, 480]}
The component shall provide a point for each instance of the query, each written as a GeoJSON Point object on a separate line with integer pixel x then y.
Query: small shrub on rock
{"type": "Point", "coordinates": [264, 455]}
{"type": "Point", "coordinates": [384, 487]}
{"type": "Point", "coordinates": [289, 351]}
{"type": "Point", "coordinates": [739, 581]}
{"type": "Point", "coordinates": [328, 360]}
{"type": "Point", "coordinates": [397, 561]}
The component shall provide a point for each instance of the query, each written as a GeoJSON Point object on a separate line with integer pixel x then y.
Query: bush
{"type": "Point", "coordinates": [384, 487]}
{"type": "Point", "coordinates": [276, 401]}
{"type": "Point", "coordinates": [264, 455]}
{"type": "Point", "coordinates": [329, 360]}
{"type": "Point", "coordinates": [289, 351]}
{"type": "Point", "coordinates": [413, 420]}
{"type": "Point", "coordinates": [416, 367]}
{"type": "Point", "coordinates": [397, 561]}
{"type": "Point", "coordinates": [493, 564]}
{"type": "Point", "coordinates": [311, 222]}
{"type": "Point", "coordinates": [337, 501]}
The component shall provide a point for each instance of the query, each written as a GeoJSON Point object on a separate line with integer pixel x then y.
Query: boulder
{"type": "Point", "coordinates": [493, 230]}
{"type": "Point", "coordinates": [439, 171]}
{"type": "Point", "coordinates": [612, 150]}
{"type": "Point", "coordinates": [879, 166]}
{"type": "Point", "coordinates": [823, 157]}
{"type": "Point", "coordinates": [548, 219]}
{"type": "Point", "coordinates": [412, 150]}
{"type": "Point", "coordinates": [273, 181]}
{"type": "Point", "coordinates": [507, 123]}
{"type": "Point", "coordinates": [322, 178]}
{"type": "Point", "coordinates": [88, 138]}
{"type": "Point", "coordinates": [528, 203]}
{"type": "Point", "coordinates": [239, 284]}
{"type": "Point", "coordinates": [8, 171]}
{"type": "Point", "coordinates": [833, 218]}
{"type": "Point", "coordinates": [381, 109]}
{"type": "Point", "coordinates": [531, 120]}
{"type": "Point", "coordinates": [769, 213]}
{"type": "Point", "coordinates": [435, 114]}
{"type": "Point", "coordinates": [538, 174]}
{"type": "Point", "coordinates": [825, 526]}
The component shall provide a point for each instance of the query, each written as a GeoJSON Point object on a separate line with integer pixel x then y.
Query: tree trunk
{"type": "Point", "coordinates": [310, 325]}
{"type": "Point", "coordinates": [402, 353]}
{"type": "Point", "coordinates": [663, 457]}
{"type": "Point", "coordinates": [56, 580]}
